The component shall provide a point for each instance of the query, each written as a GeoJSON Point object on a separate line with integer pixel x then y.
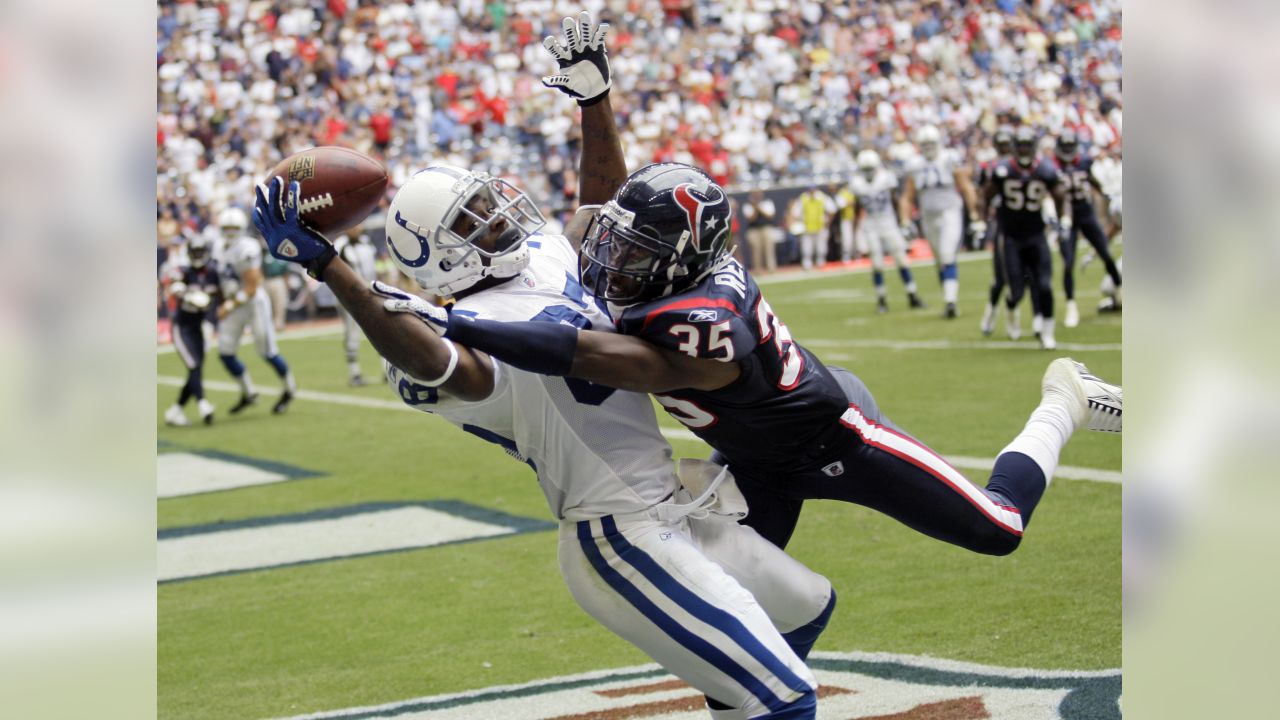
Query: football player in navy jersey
{"type": "Point", "coordinates": [1077, 172]}
{"type": "Point", "coordinates": [1003, 143]}
{"type": "Point", "coordinates": [1017, 188]}
{"type": "Point", "coordinates": [194, 284]}
{"type": "Point", "coordinates": [694, 329]}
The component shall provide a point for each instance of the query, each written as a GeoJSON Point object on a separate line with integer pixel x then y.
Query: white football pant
{"type": "Point", "coordinates": [255, 314]}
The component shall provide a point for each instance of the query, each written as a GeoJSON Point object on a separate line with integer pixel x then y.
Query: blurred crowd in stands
{"type": "Point", "coordinates": [760, 93]}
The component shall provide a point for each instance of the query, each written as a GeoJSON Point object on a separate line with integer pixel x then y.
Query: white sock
{"type": "Point", "coordinates": [950, 290]}
{"type": "Point", "coordinates": [1046, 432]}
{"type": "Point", "coordinates": [354, 369]}
{"type": "Point", "coordinates": [246, 383]}
{"type": "Point", "coordinates": [289, 383]}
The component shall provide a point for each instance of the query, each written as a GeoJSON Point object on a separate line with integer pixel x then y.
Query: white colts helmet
{"type": "Point", "coordinates": [420, 236]}
{"type": "Point", "coordinates": [869, 163]}
{"type": "Point", "coordinates": [233, 222]}
{"type": "Point", "coordinates": [929, 139]}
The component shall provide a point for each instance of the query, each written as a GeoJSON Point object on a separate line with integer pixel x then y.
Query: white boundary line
{"type": "Point", "coordinates": [1064, 472]}
{"type": "Point", "coordinates": [957, 345]}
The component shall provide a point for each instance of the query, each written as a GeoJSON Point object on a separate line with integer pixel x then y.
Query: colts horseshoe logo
{"type": "Point", "coordinates": [693, 206]}
{"type": "Point", "coordinates": [422, 242]}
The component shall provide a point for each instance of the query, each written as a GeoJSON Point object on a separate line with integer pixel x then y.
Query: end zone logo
{"type": "Point", "coordinates": [853, 686]}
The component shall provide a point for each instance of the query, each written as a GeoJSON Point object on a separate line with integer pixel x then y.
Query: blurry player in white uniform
{"type": "Point", "coordinates": [938, 185]}
{"type": "Point", "coordinates": [666, 568]}
{"type": "Point", "coordinates": [246, 304]}
{"type": "Point", "coordinates": [874, 187]}
{"type": "Point", "coordinates": [362, 257]}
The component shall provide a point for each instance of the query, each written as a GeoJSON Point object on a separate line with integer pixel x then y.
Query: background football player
{"type": "Point", "coordinates": [362, 257]}
{"type": "Point", "coordinates": [245, 304]}
{"type": "Point", "coordinates": [874, 188]}
{"type": "Point", "coordinates": [193, 284]}
{"type": "Point", "coordinates": [1018, 189]}
{"type": "Point", "coordinates": [938, 185]}
{"type": "Point", "coordinates": [1077, 173]}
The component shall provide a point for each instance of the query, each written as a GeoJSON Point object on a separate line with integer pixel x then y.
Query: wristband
{"type": "Point", "coordinates": [315, 266]}
{"type": "Point", "coordinates": [594, 100]}
{"type": "Point", "coordinates": [448, 371]}
{"type": "Point", "coordinates": [546, 348]}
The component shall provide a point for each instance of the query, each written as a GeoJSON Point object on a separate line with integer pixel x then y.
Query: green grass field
{"type": "Point", "coordinates": [388, 627]}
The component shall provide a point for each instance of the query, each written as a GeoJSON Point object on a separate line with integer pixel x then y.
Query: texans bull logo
{"type": "Point", "coordinates": [694, 202]}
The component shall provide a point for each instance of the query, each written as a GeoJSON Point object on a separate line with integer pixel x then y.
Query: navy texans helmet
{"type": "Point", "coordinates": [1068, 146]}
{"type": "Point", "coordinates": [1003, 141]}
{"type": "Point", "coordinates": [1024, 146]}
{"type": "Point", "coordinates": [664, 230]}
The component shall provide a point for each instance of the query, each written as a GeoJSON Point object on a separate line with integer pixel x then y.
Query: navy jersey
{"type": "Point", "coordinates": [782, 413]}
{"type": "Point", "coordinates": [205, 279]}
{"type": "Point", "coordinates": [1020, 195]}
{"type": "Point", "coordinates": [1076, 175]}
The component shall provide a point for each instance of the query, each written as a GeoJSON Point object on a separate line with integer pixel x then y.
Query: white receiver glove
{"type": "Point", "coordinates": [583, 60]}
{"type": "Point", "coordinates": [436, 318]}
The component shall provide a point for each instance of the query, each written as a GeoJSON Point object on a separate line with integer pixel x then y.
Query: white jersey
{"type": "Point", "coordinates": [876, 195]}
{"type": "Point", "coordinates": [238, 256]}
{"type": "Point", "coordinates": [597, 451]}
{"type": "Point", "coordinates": [935, 182]}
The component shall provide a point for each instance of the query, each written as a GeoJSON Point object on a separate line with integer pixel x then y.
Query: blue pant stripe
{"type": "Point", "coordinates": [696, 606]}
{"type": "Point", "coordinates": [687, 639]}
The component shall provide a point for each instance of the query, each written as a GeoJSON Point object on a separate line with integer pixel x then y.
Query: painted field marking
{"type": "Point", "coordinates": [199, 551]}
{"type": "Point", "coordinates": [1064, 472]}
{"type": "Point", "coordinates": [192, 473]}
{"type": "Point", "coordinates": [950, 345]}
{"type": "Point", "coordinates": [875, 686]}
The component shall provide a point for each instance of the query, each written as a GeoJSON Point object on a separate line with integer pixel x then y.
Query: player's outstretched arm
{"type": "Point", "coordinates": [620, 361]}
{"type": "Point", "coordinates": [406, 340]}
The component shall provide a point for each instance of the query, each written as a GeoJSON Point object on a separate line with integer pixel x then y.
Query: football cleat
{"type": "Point", "coordinates": [174, 416]}
{"type": "Point", "coordinates": [1106, 401]}
{"type": "Point", "coordinates": [1037, 321]}
{"type": "Point", "coordinates": [356, 381]}
{"type": "Point", "coordinates": [988, 320]}
{"type": "Point", "coordinates": [915, 301]}
{"type": "Point", "coordinates": [1013, 323]}
{"type": "Point", "coordinates": [951, 312]}
{"type": "Point", "coordinates": [882, 306]}
{"type": "Point", "coordinates": [283, 403]}
{"type": "Point", "coordinates": [1047, 341]}
{"type": "Point", "coordinates": [1073, 315]}
{"type": "Point", "coordinates": [245, 401]}
{"type": "Point", "coordinates": [206, 411]}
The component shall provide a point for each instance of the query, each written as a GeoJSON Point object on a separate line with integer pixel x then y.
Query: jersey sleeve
{"type": "Point", "coordinates": [425, 398]}
{"type": "Point", "coordinates": [702, 327]}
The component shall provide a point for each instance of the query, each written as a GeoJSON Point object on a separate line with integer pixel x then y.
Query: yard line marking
{"type": "Point", "coordinates": [1065, 472]}
{"type": "Point", "coordinates": [303, 333]}
{"type": "Point", "coordinates": [957, 345]}
{"type": "Point", "coordinates": [789, 276]}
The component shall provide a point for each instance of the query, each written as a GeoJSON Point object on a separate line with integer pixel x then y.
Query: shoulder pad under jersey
{"type": "Point", "coordinates": [712, 320]}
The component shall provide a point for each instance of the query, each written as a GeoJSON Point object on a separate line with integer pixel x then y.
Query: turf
{"type": "Point", "coordinates": [400, 625]}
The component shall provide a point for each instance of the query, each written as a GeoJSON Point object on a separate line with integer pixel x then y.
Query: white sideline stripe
{"type": "Point", "coordinates": [271, 545]}
{"type": "Point", "coordinates": [180, 474]}
{"type": "Point", "coordinates": [1065, 472]}
{"type": "Point", "coordinates": [957, 345]}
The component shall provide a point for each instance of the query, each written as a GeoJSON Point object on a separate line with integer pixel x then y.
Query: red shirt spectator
{"type": "Point", "coordinates": [380, 122]}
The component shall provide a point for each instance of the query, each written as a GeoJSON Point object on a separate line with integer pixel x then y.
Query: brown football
{"type": "Point", "coordinates": [340, 186]}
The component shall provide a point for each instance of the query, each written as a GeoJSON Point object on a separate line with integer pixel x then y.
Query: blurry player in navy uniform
{"type": "Point", "coordinates": [939, 186]}
{"type": "Point", "coordinates": [873, 188]}
{"type": "Point", "coordinates": [665, 567]}
{"type": "Point", "coordinates": [1018, 188]}
{"type": "Point", "coordinates": [193, 284]}
{"type": "Point", "coordinates": [362, 257]}
{"type": "Point", "coordinates": [694, 329]}
{"type": "Point", "coordinates": [1077, 172]}
{"type": "Point", "coordinates": [245, 304]}
{"type": "Point", "coordinates": [1003, 144]}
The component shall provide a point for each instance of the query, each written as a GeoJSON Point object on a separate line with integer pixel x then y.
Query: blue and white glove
{"type": "Point", "coordinates": [583, 60]}
{"type": "Point", "coordinates": [288, 238]}
{"type": "Point", "coordinates": [978, 229]}
{"type": "Point", "coordinates": [436, 317]}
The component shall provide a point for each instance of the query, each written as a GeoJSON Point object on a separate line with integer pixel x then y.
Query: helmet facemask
{"type": "Point", "coordinates": [625, 265]}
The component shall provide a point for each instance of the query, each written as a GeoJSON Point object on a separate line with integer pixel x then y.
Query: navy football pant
{"type": "Point", "coordinates": [1093, 232]}
{"type": "Point", "coordinates": [188, 341]}
{"type": "Point", "coordinates": [881, 467]}
{"type": "Point", "coordinates": [1027, 258]}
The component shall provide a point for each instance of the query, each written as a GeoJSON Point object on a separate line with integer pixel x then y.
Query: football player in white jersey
{"type": "Point", "coordinates": [246, 305]}
{"type": "Point", "coordinates": [874, 187]}
{"type": "Point", "coordinates": [362, 257]}
{"type": "Point", "coordinates": [939, 187]}
{"type": "Point", "coordinates": [666, 567]}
